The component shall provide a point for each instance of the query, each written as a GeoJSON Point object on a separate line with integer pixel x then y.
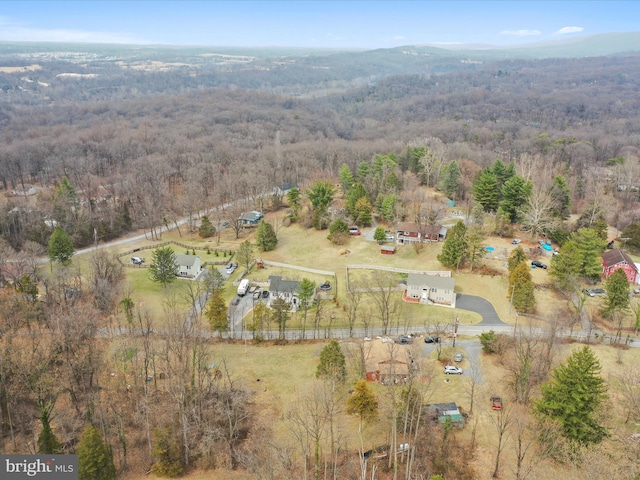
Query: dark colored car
{"type": "Point", "coordinates": [326, 286]}
{"type": "Point", "coordinates": [538, 264]}
{"type": "Point", "coordinates": [265, 294]}
{"type": "Point", "coordinates": [431, 339]}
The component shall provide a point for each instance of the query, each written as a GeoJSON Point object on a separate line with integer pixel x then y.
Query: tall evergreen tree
{"type": "Point", "coordinates": [216, 312]}
{"type": "Point", "coordinates": [617, 288]}
{"type": "Point", "coordinates": [561, 195]}
{"type": "Point", "coordinates": [346, 177]}
{"type": "Point", "coordinates": [522, 288]}
{"type": "Point", "coordinates": [475, 246]}
{"type": "Point", "coordinates": [388, 208]}
{"type": "Point", "coordinates": [206, 229]}
{"type": "Point", "coordinates": [363, 213]}
{"type": "Point", "coordinates": [486, 191]}
{"type": "Point", "coordinates": [574, 397]}
{"type": "Point", "coordinates": [354, 194]}
{"type": "Point", "coordinates": [95, 461]}
{"type": "Point", "coordinates": [363, 402]}
{"type": "Point", "coordinates": [48, 444]}
{"type": "Point", "coordinates": [450, 179]}
{"type": "Point", "coordinates": [454, 246]}
{"type": "Point", "coordinates": [266, 239]}
{"type": "Point", "coordinates": [163, 268]}
{"type": "Point", "coordinates": [516, 258]}
{"type": "Point", "coordinates": [515, 194]}
{"type": "Point", "coordinates": [294, 197]}
{"type": "Point", "coordinates": [332, 362]}
{"type": "Point", "coordinates": [60, 248]}
{"type": "Point", "coordinates": [167, 453]}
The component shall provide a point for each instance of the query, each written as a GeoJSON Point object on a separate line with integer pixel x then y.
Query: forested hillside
{"type": "Point", "coordinates": [99, 142]}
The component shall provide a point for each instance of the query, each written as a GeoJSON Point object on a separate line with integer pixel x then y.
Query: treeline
{"type": "Point", "coordinates": [163, 156]}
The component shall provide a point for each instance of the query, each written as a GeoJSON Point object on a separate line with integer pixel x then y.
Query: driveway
{"type": "Point", "coordinates": [479, 305]}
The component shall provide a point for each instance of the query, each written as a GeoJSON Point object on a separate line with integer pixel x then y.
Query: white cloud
{"type": "Point", "coordinates": [12, 31]}
{"type": "Point", "coordinates": [566, 30]}
{"type": "Point", "coordinates": [398, 38]}
{"type": "Point", "coordinates": [521, 33]}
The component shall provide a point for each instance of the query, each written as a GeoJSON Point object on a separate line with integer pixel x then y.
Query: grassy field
{"type": "Point", "coordinates": [266, 369]}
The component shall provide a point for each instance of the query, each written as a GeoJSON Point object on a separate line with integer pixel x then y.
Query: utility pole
{"type": "Point", "coordinates": [513, 289]}
{"type": "Point", "coordinates": [455, 329]}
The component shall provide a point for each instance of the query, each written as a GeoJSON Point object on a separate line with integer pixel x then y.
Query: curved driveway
{"type": "Point", "coordinates": [479, 305]}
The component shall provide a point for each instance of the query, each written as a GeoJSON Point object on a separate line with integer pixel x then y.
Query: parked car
{"type": "Point", "coordinates": [452, 370]}
{"type": "Point", "coordinates": [228, 265]}
{"type": "Point", "coordinates": [256, 295]}
{"type": "Point", "coordinates": [458, 357]}
{"type": "Point", "coordinates": [265, 294]}
{"type": "Point", "coordinates": [405, 340]}
{"type": "Point", "coordinates": [592, 292]}
{"type": "Point", "coordinates": [536, 263]}
{"type": "Point", "coordinates": [235, 301]}
{"type": "Point", "coordinates": [515, 241]}
{"type": "Point", "coordinates": [390, 237]}
{"type": "Point", "coordinates": [431, 339]}
{"type": "Point", "coordinates": [354, 231]}
{"type": "Point", "coordinates": [325, 287]}
{"type": "Point", "coordinates": [137, 260]}
{"type": "Point", "coordinates": [231, 268]}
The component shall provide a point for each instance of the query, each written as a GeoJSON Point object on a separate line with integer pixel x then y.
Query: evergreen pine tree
{"type": "Point", "coordinates": [206, 229]}
{"type": "Point", "coordinates": [332, 362]}
{"type": "Point", "coordinates": [486, 190]}
{"type": "Point", "coordinates": [216, 312]}
{"type": "Point", "coordinates": [450, 179]}
{"type": "Point", "coordinates": [163, 266]}
{"type": "Point", "coordinates": [363, 216]}
{"type": "Point", "coordinates": [95, 461]}
{"type": "Point", "coordinates": [60, 247]}
{"type": "Point", "coordinates": [454, 246]}
{"type": "Point", "coordinates": [520, 281]}
{"type": "Point", "coordinates": [266, 239]}
{"type": "Point", "coordinates": [48, 444]}
{"type": "Point", "coordinates": [166, 452]}
{"type": "Point", "coordinates": [574, 396]}
{"type": "Point", "coordinates": [363, 402]}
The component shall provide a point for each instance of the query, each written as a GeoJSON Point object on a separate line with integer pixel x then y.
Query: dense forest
{"type": "Point", "coordinates": [104, 141]}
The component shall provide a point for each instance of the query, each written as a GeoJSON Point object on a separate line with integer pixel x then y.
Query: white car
{"type": "Point", "coordinates": [452, 370]}
{"type": "Point", "coordinates": [137, 260]}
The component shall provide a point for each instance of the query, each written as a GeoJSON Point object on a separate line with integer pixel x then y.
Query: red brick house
{"type": "Point", "coordinates": [614, 259]}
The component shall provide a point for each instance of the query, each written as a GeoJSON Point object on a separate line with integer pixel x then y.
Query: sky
{"type": "Point", "coordinates": [365, 24]}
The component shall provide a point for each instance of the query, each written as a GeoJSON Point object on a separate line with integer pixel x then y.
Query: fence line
{"type": "Point", "coordinates": [297, 267]}
{"type": "Point", "coordinates": [435, 273]}
{"type": "Point", "coordinates": [205, 249]}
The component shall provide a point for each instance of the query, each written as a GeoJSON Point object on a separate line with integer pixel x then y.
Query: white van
{"type": "Point", "coordinates": [243, 287]}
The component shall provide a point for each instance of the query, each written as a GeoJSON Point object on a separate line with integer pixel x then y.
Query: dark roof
{"type": "Point", "coordinates": [251, 216]}
{"type": "Point", "coordinates": [615, 257]}
{"type": "Point", "coordinates": [278, 285]}
{"type": "Point", "coordinates": [425, 230]}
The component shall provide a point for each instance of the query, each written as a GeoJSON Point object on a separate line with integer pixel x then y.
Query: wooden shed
{"type": "Point", "coordinates": [387, 249]}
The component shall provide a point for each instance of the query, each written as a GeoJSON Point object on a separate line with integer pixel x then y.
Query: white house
{"type": "Point", "coordinates": [287, 290]}
{"type": "Point", "coordinates": [189, 266]}
{"type": "Point", "coordinates": [431, 289]}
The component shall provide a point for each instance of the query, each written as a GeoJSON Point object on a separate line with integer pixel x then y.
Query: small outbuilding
{"type": "Point", "coordinates": [387, 250]}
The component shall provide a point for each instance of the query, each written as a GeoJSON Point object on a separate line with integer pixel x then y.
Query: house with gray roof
{"type": "Point", "coordinates": [250, 219]}
{"type": "Point", "coordinates": [286, 290]}
{"type": "Point", "coordinates": [189, 266]}
{"type": "Point", "coordinates": [431, 289]}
